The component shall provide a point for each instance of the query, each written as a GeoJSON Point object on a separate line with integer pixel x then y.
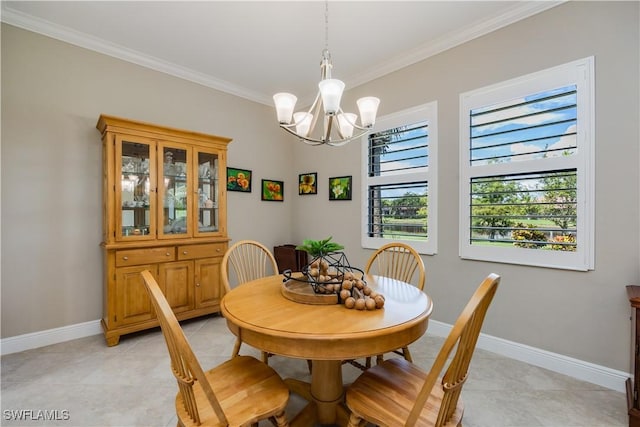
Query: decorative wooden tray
{"type": "Point", "coordinates": [303, 293]}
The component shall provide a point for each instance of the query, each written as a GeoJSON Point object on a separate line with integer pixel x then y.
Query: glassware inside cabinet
{"type": "Point", "coordinates": [175, 205]}
{"type": "Point", "coordinates": [207, 192]}
{"type": "Point", "coordinates": [135, 189]}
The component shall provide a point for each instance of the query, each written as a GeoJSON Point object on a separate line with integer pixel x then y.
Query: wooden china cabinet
{"type": "Point", "coordinates": [164, 210]}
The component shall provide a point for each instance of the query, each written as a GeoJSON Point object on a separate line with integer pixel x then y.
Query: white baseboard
{"type": "Point", "coordinates": [585, 371]}
{"type": "Point", "coordinates": [50, 336]}
{"type": "Point", "coordinates": [579, 369]}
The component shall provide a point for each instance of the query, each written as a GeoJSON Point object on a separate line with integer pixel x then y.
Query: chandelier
{"type": "Point", "coordinates": [338, 127]}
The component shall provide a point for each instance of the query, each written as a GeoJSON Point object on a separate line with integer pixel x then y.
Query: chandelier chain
{"type": "Point", "coordinates": [326, 24]}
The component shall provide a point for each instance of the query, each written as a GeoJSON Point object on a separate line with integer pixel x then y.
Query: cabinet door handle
{"type": "Point", "coordinates": [184, 252]}
{"type": "Point", "coordinates": [168, 254]}
{"type": "Point", "coordinates": [126, 258]}
{"type": "Point", "coordinates": [218, 250]}
{"type": "Point", "coordinates": [197, 285]}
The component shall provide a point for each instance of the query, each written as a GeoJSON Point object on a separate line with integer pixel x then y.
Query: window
{"type": "Point", "coordinates": [399, 188]}
{"type": "Point", "coordinates": [526, 171]}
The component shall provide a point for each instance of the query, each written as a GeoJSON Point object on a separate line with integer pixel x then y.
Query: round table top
{"type": "Point", "coordinates": [267, 320]}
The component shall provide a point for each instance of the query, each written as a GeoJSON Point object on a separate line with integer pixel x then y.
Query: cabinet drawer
{"type": "Point", "coordinates": [208, 250]}
{"type": "Point", "coordinates": [145, 256]}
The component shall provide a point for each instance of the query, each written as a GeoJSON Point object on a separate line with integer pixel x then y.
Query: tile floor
{"type": "Point", "coordinates": [131, 384]}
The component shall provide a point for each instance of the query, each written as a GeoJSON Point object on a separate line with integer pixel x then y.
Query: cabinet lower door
{"type": "Point", "coordinates": [208, 286]}
{"type": "Point", "coordinates": [176, 281]}
{"type": "Point", "coordinates": [133, 303]}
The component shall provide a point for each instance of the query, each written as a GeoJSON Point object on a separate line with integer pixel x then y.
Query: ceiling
{"type": "Point", "coordinates": [254, 49]}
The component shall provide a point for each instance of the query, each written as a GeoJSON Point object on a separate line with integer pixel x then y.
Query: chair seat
{"type": "Point", "coordinates": [247, 389]}
{"type": "Point", "coordinates": [398, 393]}
{"type": "Point", "coordinates": [386, 394]}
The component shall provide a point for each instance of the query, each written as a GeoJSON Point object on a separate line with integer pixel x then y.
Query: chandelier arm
{"type": "Point", "coordinates": [338, 143]}
{"type": "Point", "coordinates": [327, 133]}
{"type": "Point", "coordinates": [353, 123]}
{"type": "Point", "coordinates": [317, 103]}
{"type": "Point", "coordinates": [339, 128]}
{"type": "Point", "coordinates": [314, 106]}
{"type": "Point", "coordinates": [316, 141]}
{"type": "Point", "coordinates": [362, 128]}
{"type": "Point", "coordinates": [305, 139]}
{"type": "Point", "coordinates": [344, 141]}
{"type": "Point", "coordinates": [314, 110]}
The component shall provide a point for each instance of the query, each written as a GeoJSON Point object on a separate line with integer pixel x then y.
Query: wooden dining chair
{"type": "Point", "coordinates": [401, 262]}
{"type": "Point", "coordinates": [247, 260]}
{"type": "Point", "coordinates": [399, 393]}
{"type": "Point", "coordinates": [241, 391]}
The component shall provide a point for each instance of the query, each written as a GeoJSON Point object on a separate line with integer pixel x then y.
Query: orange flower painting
{"type": "Point", "coordinates": [239, 180]}
{"type": "Point", "coordinates": [272, 190]}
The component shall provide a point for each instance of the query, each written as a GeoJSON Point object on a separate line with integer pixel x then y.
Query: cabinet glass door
{"type": "Point", "coordinates": [174, 192]}
{"type": "Point", "coordinates": [135, 196]}
{"type": "Point", "coordinates": [208, 195]}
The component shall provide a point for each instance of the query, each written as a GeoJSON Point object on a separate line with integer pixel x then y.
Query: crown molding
{"type": "Point", "coordinates": [83, 40]}
{"type": "Point", "coordinates": [453, 39]}
{"type": "Point", "coordinates": [520, 11]}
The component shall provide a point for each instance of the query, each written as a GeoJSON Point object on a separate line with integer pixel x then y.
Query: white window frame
{"type": "Point", "coordinates": [580, 73]}
{"type": "Point", "coordinates": [426, 112]}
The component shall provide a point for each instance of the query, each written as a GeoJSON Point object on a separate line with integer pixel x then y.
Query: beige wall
{"type": "Point", "coordinates": [581, 315]}
{"type": "Point", "coordinates": [52, 94]}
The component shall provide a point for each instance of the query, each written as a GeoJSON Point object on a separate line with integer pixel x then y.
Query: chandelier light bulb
{"type": "Point", "coordinates": [331, 92]}
{"type": "Point", "coordinates": [303, 123]}
{"type": "Point", "coordinates": [285, 104]}
{"type": "Point", "coordinates": [368, 107]}
{"type": "Point", "coordinates": [346, 122]}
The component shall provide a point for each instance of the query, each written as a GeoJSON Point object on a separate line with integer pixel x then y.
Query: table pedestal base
{"type": "Point", "coordinates": [325, 395]}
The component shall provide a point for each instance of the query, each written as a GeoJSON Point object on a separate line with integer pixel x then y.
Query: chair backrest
{"type": "Point", "coordinates": [247, 260]}
{"type": "Point", "coordinates": [398, 261]}
{"type": "Point", "coordinates": [184, 364]}
{"type": "Point", "coordinates": [462, 338]}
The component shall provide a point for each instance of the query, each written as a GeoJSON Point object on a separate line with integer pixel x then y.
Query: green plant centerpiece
{"type": "Point", "coordinates": [329, 272]}
{"type": "Point", "coordinates": [318, 248]}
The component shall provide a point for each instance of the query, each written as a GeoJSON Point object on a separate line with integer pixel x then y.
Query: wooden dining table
{"type": "Point", "coordinates": [326, 334]}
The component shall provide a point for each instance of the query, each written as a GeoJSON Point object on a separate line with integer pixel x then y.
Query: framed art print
{"type": "Point", "coordinates": [239, 180]}
{"type": "Point", "coordinates": [307, 183]}
{"type": "Point", "coordinates": [340, 188]}
{"type": "Point", "coordinates": [272, 191]}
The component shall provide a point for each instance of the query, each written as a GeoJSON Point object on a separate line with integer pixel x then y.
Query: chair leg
{"type": "Point", "coordinates": [309, 365]}
{"type": "Point", "coordinates": [354, 420]}
{"type": "Point", "coordinates": [236, 347]}
{"type": "Point", "coordinates": [379, 359]}
{"type": "Point", "coordinates": [280, 420]}
{"type": "Point", "coordinates": [367, 363]}
{"type": "Point", "coordinates": [407, 354]}
{"type": "Point", "coordinates": [265, 357]}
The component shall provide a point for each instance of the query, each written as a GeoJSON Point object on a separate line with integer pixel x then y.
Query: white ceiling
{"type": "Point", "coordinates": [254, 49]}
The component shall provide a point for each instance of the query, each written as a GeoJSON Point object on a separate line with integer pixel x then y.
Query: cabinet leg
{"type": "Point", "coordinates": [112, 340]}
{"type": "Point", "coordinates": [111, 337]}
